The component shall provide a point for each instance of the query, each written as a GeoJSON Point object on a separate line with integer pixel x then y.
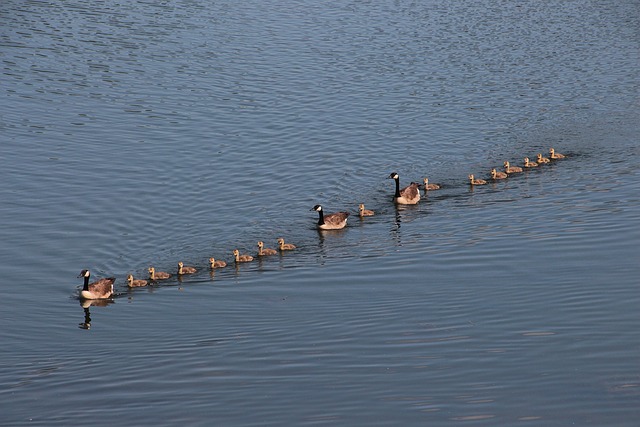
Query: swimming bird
{"type": "Point", "coordinates": [554, 155]}
{"type": "Point", "coordinates": [541, 159]}
{"type": "Point", "coordinates": [213, 263]}
{"type": "Point", "coordinates": [409, 195]}
{"type": "Point", "coordinates": [158, 275]}
{"type": "Point", "coordinates": [473, 181]}
{"type": "Point", "coordinates": [333, 221]}
{"type": "Point", "coordinates": [183, 269]}
{"type": "Point", "coordinates": [428, 186]}
{"type": "Point", "coordinates": [134, 283]}
{"type": "Point", "coordinates": [285, 246]}
{"type": "Point", "coordinates": [498, 175]}
{"type": "Point", "coordinates": [265, 251]}
{"type": "Point", "coordinates": [511, 169]}
{"type": "Point", "coordinates": [364, 212]}
{"type": "Point", "coordinates": [529, 164]}
{"type": "Point", "coordinates": [241, 258]}
{"type": "Point", "coordinates": [100, 289]}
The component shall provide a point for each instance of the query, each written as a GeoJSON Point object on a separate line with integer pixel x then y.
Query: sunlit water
{"type": "Point", "coordinates": [137, 134]}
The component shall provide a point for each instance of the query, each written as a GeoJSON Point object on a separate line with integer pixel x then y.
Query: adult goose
{"type": "Point", "coordinates": [333, 221]}
{"type": "Point", "coordinates": [409, 195]}
{"type": "Point", "coordinates": [100, 289]}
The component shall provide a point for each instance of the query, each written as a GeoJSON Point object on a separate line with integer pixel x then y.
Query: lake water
{"type": "Point", "coordinates": [146, 133]}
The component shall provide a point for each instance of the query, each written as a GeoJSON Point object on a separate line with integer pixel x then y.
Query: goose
{"type": "Point", "coordinates": [100, 289]}
{"type": "Point", "coordinates": [498, 175]}
{"type": "Point", "coordinates": [473, 181]}
{"type": "Point", "coordinates": [408, 195]}
{"type": "Point", "coordinates": [134, 283]}
{"type": "Point", "coordinates": [511, 169]}
{"type": "Point", "coordinates": [158, 275]}
{"type": "Point", "coordinates": [541, 159]}
{"type": "Point", "coordinates": [364, 212]}
{"type": "Point", "coordinates": [428, 186]}
{"type": "Point", "coordinates": [554, 155]}
{"type": "Point", "coordinates": [265, 251]}
{"type": "Point", "coordinates": [241, 258]}
{"type": "Point", "coordinates": [529, 164]}
{"type": "Point", "coordinates": [285, 246]}
{"type": "Point", "coordinates": [213, 263]}
{"type": "Point", "coordinates": [334, 221]}
{"type": "Point", "coordinates": [183, 269]}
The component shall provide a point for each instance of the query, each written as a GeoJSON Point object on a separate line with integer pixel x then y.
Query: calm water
{"type": "Point", "coordinates": [145, 133]}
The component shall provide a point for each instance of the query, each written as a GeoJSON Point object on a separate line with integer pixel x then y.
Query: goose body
{"type": "Point", "coordinates": [430, 187]}
{"type": "Point", "coordinates": [262, 251]}
{"type": "Point", "coordinates": [100, 289]}
{"type": "Point", "coordinates": [498, 175]}
{"type": "Point", "coordinates": [476, 181]}
{"type": "Point", "coordinates": [409, 195]}
{"type": "Point", "coordinates": [213, 263]}
{"type": "Point", "coordinates": [241, 258]}
{"type": "Point", "coordinates": [529, 164]}
{"type": "Point", "coordinates": [511, 169]}
{"type": "Point", "coordinates": [285, 246]}
{"type": "Point", "coordinates": [333, 221]}
{"type": "Point", "coordinates": [134, 283]}
{"type": "Point", "coordinates": [364, 212]}
{"type": "Point", "coordinates": [158, 275]}
{"type": "Point", "coordinates": [554, 155]}
{"type": "Point", "coordinates": [541, 159]}
{"type": "Point", "coordinates": [183, 269]}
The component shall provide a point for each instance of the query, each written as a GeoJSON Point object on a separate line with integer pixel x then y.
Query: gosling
{"type": "Point", "coordinates": [158, 275]}
{"type": "Point", "coordinates": [529, 164]}
{"type": "Point", "coordinates": [285, 246]}
{"type": "Point", "coordinates": [498, 175]}
{"type": "Point", "coordinates": [409, 195]}
{"type": "Point", "coordinates": [334, 221]}
{"type": "Point", "coordinates": [473, 181]}
{"type": "Point", "coordinates": [511, 169]}
{"type": "Point", "coordinates": [134, 283]}
{"type": "Point", "coordinates": [364, 212]}
{"type": "Point", "coordinates": [541, 159]}
{"type": "Point", "coordinates": [262, 251]}
{"type": "Point", "coordinates": [241, 258]}
{"type": "Point", "coordinates": [430, 187]}
{"type": "Point", "coordinates": [100, 289]}
{"type": "Point", "coordinates": [554, 155]}
{"type": "Point", "coordinates": [183, 269]}
{"type": "Point", "coordinates": [213, 263]}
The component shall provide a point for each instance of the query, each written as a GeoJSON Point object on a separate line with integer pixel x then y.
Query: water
{"type": "Point", "coordinates": [142, 134]}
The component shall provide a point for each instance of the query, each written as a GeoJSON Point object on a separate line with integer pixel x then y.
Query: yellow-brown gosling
{"type": "Point", "coordinates": [511, 169]}
{"type": "Point", "coordinates": [213, 263]}
{"type": "Point", "coordinates": [100, 289]}
{"type": "Point", "coordinates": [285, 246]}
{"type": "Point", "coordinates": [497, 174]}
{"type": "Point", "coordinates": [474, 181]}
{"type": "Point", "coordinates": [134, 283]}
{"type": "Point", "coordinates": [529, 164]}
{"type": "Point", "coordinates": [241, 258]}
{"type": "Point", "coordinates": [409, 195]}
{"type": "Point", "coordinates": [183, 269]}
{"type": "Point", "coordinates": [364, 212]}
{"type": "Point", "coordinates": [430, 187]}
{"type": "Point", "coordinates": [333, 221]}
{"type": "Point", "coordinates": [262, 251]}
{"type": "Point", "coordinates": [158, 275]}
{"type": "Point", "coordinates": [541, 159]}
{"type": "Point", "coordinates": [554, 155]}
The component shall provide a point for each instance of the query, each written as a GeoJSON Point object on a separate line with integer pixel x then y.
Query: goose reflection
{"type": "Point", "coordinates": [86, 304]}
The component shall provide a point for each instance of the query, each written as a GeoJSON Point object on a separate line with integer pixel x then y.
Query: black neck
{"type": "Point", "coordinates": [397, 180]}
{"type": "Point", "coordinates": [86, 283]}
{"type": "Point", "coordinates": [320, 217]}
